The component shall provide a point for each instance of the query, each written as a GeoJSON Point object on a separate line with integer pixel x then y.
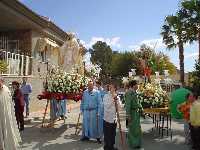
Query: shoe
{"type": "Point", "coordinates": [99, 141]}
{"type": "Point", "coordinates": [27, 114]}
{"type": "Point", "coordinates": [63, 117]}
{"type": "Point", "coordinates": [85, 139]}
{"type": "Point", "coordinates": [21, 129]}
{"type": "Point", "coordinates": [137, 147]}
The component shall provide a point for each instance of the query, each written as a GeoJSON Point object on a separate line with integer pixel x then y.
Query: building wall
{"type": "Point", "coordinates": [35, 37]}
{"type": "Point", "coordinates": [24, 38]}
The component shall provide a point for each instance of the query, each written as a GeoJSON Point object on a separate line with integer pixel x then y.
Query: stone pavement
{"type": "Point", "coordinates": [62, 136]}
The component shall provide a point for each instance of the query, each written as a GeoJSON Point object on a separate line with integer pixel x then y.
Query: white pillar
{"type": "Point", "coordinates": [18, 63]}
{"type": "Point", "coordinates": [22, 65]}
{"type": "Point", "coordinates": [27, 65]}
{"type": "Point", "coordinates": [12, 60]}
{"type": "Point", "coordinates": [8, 62]}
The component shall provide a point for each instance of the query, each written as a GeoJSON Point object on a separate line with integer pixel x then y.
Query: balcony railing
{"type": "Point", "coordinates": [17, 64]}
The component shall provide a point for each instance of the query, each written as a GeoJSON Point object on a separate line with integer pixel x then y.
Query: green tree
{"type": "Point", "coordinates": [122, 63]}
{"type": "Point", "coordinates": [101, 54]}
{"type": "Point", "coordinates": [196, 77]}
{"type": "Point", "coordinates": [157, 61]}
{"type": "Point", "coordinates": [191, 9]}
{"type": "Point", "coordinates": [174, 35]}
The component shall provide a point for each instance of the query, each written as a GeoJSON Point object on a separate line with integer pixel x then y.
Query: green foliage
{"type": "Point", "coordinates": [174, 30]}
{"type": "Point", "coordinates": [174, 33]}
{"type": "Point", "coordinates": [196, 77]}
{"type": "Point", "coordinates": [122, 63]}
{"type": "Point", "coordinates": [117, 65]}
{"type": "Point", "coordinates": [101, 54]}
{"type": "Point", "coordinates": [3, 66]}
{"type": "Point", "coordinates": [196, 74]}
{"type": "Point", "coordinates": [191, 9]}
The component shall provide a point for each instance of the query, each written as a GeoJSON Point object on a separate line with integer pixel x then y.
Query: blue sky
{"type": "Point", "coordinates": [123, 24]}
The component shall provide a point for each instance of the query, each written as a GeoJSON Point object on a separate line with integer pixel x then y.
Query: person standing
{"type": "Point", "coordinates": [62, 108]}
{"type": "Point", "coordinates": [19, 105]}
{"type": "Point", "coordinates": [133, 109]}
{"type": "Point", "coordinates": [185, 109]}
{"type": "Point", "coordinates": [91, 108]}
{"type": "Point", "coordinates": [102, 93]}
{"type": "Point", "coordinates": [26, 89]}
{"type": "Point", "coordinates": [195, 124]}
{"type": "Point", "coordinates": [9, 134]}
{"type": "Point", "coordinates": [109, 121]}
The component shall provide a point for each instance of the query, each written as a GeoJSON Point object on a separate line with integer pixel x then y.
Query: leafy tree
{"type": "Point", "coordinates": [157, 61]}
{"type": "Point", "coordinates": [196, 77]}
{"type": "Point", "coordinates": [174, 35]}
{"type": "Point", "coordinates": [101, 54]}
{"type": "Point", "coordinates": [191, 9]}
{"type": "Point", "coordinates": [122, 63]}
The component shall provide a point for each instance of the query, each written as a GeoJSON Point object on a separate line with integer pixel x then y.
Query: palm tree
{"type": "Point", "coordinates": [192, 8]}
{"type": "Point", "coordinates": [174, 35]}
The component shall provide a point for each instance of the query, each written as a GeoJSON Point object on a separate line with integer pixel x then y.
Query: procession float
{"type": "Point", "coordinates": [153, 94]}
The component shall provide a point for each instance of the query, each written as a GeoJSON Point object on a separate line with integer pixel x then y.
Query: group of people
{"type": "Point", "coordinates": [11, 113]}
{"type": "Point", "coordinates": [99, 109]}
{"type": "Point", "coordinates": [191, 114]}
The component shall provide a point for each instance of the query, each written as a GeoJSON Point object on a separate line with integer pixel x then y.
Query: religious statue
{"type": "Point", "coordinates": [146, 69]}
{"type": "Point", "coordinates": [69, 53]}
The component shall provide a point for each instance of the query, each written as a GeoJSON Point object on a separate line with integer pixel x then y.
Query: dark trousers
{"type": "Point", "coordinates": [20, 117]}
{"type": "Point", "coordinates": [26, 100]}
{"type": "Point", "coordinates": [109, 130]}
{"type": "Point", "coordinates": [195, 136]}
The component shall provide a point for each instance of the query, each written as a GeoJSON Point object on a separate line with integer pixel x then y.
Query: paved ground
{"type": "Point", "coordinates": [62, 137]}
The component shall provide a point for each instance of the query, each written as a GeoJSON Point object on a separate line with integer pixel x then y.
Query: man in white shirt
{"type": "Point", "coordinates": [109, 124]}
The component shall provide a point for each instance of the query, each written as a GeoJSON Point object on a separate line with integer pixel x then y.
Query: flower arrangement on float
{"type": "Point", "coordinates": [93, 70]}
{"type": "Point", "coordinates": [61, 85]}
{"type": "Point", "coordinates": [151, 95]}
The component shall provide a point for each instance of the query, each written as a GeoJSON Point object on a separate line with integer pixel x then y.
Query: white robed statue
{"type": "Point", "coordinates": [69, 53]}
{"type": "Point", "coordinates": [9, 133]}
{"type": "Point", "coordinates": [91, 105]}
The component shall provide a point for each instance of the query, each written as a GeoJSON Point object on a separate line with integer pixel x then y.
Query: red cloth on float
{"type": "Point", "coordinates": [147, 71]}
{"type": "Point", "coordinates": [60, 96]}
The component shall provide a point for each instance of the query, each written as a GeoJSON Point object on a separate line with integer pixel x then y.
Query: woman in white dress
{"type": "Point", "coordinates": [9, 133]}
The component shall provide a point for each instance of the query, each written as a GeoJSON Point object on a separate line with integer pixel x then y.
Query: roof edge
{"type": "Point", "coordinates": [30, 14]}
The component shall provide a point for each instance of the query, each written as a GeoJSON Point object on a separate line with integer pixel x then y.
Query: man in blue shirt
{"type": "Point", "coordinates": [26, 89]}
{"type": "Point", "coordinates": [91, 105]}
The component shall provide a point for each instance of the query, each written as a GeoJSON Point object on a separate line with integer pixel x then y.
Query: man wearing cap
{"type": "Point", "coordinates": [19, 105]}
{"type": "Point", "coordinates": [9, 133]}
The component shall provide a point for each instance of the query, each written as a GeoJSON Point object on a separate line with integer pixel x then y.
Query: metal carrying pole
{"type": "Point", "coordinates": [77, 123]}
{"type": "Point", "coordinates": [119, 122]}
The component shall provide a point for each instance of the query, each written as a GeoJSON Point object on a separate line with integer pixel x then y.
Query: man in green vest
{"type": "Point", "coordinates": [133, 109]}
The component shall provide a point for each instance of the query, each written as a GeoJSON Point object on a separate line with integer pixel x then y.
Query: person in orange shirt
{"type": "Point", "coordinates": [185, 109]}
